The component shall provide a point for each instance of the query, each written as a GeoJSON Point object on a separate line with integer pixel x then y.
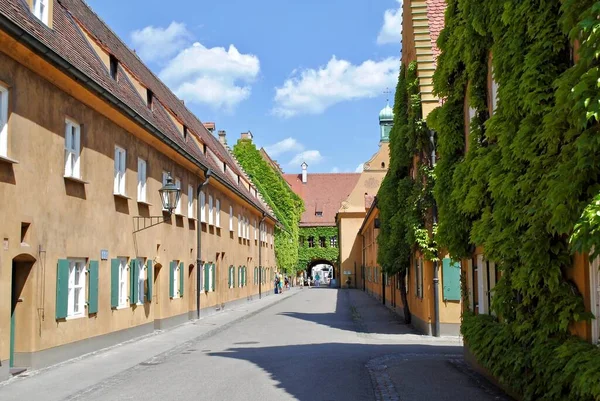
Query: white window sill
{"type": "Point", "coordinates": [74, 317]}
{"type": "Point", "coordinates": [141, 303]}
{"type": "Point", "coordinates": [122, 307]}
{"type": "Point", "coordinates": [122, 196]}
{"type": "Point", "coordinates": [179, 214]}
{"type": "Point", "coordinates": [143, 202]}
{"type": "Point", "coordinates": [192, 218]}
{"type": "Point", "coordinates": [203, 221]}
{"type": "Point", "coordinates": [75, 179]}
{"type": "Point", "coordinates": [6, 159]}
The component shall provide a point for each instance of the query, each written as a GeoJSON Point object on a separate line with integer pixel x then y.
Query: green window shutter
{"type": "Point", "coordinates": [206, 275]}
{"type": "Point", "coordinates": [149, 280]}
{"type": "Point", "coordinates": [214, 277]}
{"type": "Point", "coordinates": [62, 288]}
{"type": "Point", "coordinates": [181, 276]}
{"type": "Point", "coordinates": [172, 268]}
{"type": "Point", "coordinates": [229, 277]}
{"type": "Point", "coordinates": [255, 275]}
{"type": "Point", "coordinates": [451, 280]}
{"type": "Point", "coordinates": [244, 276]}
{"type": "Point", "coordinates": [134, 273]}
{"type": "Point", "coordinates": [114, 282]}
{"type": "Point", "coordinates": [93, 291]}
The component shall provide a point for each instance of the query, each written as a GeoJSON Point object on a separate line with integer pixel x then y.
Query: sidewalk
{"type": "Point", "coordinates": [59, 381]}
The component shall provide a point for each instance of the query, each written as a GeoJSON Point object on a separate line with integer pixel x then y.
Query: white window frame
{"type": "Point", "coordinates": [239, 225]}
{"type": "Point", "coordinates": [120, 170]}
{"type": "Point", "coordinates": [142, 180]}
{"type": "Point", "coordinates": [4, 121]}
{"type": "Point", "coordinates": [211, 210]}
{"type": "Point", "coordinates": [211, 284]}
{"type": "Point", "coordinates": [202, 207]}
{"type": "Point", "coordinates": [81, 286]}
{"type": "Point", "coordinates": [255, 230]}
{"type": "Point", "coordinates": [72, 149]}
{"type": "Point", "coordinates": [176, 293]}
{"type": "Point", "coordinates": [231, 218]}
{"type": "Point", "coordinates": [40, 10]}
{"type": "Point", "coordinates": [595, 299]}
{"type": "Point", "coordinates": [217, 213]}
{"type": "Point", "coordinates": [178, 207]}
{"type": "Point", "coordinates": [123, 275]}
{"type": "Point", "coordinates": [494, 96]}
{"type": "Point", "coordinates": [190, 202]}
{"type": "Point", "coordinates": [141, 281]}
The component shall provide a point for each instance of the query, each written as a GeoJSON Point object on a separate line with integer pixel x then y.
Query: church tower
{"type": "Point", "coordinates": [386, 120]}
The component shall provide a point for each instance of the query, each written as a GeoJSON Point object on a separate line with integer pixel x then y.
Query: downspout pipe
{"type": "Point", "coordinates": [207, 175]}
{"type": "Point", "coordinates": [260, 231]}
{"type": "Point", "coordinates": [436, 279]}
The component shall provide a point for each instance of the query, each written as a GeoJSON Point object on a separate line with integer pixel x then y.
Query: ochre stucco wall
{"type": "Point", "coordinates": [70, 219]}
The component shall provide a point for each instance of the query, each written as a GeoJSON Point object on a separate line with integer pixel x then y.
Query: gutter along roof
{"type": "Point", "coordinates": [65, 46]}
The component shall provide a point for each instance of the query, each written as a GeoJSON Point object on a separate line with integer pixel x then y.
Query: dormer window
{"type": "Point", "coordinates": [204, 148]}
{"type": "Point", "coordinates": [185, 133]}
{"type": "Point", "coordinates": [40, 10]}
{"type": "Point", "coordinates": [224, 167]}
{"type": "Point", "coordinates": [114, 67]}
{"type": "Point", "coordinates": [149, 98]}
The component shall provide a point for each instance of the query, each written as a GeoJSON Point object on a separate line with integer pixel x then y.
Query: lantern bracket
{"type": "Point", "coordinates": [142, 223]}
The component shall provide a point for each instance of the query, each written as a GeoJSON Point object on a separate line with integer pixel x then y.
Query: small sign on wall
{"type": "Point", "coordinates": [104, 254]}
{"type": "Point", "coordinates": [348, 272]}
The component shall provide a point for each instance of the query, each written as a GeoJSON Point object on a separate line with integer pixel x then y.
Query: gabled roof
{"type": "Point", "coordinates": [66, 46]}
{"type": "Point", "coordinates": [322, 193]}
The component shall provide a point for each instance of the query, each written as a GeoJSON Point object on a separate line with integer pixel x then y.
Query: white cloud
{"type": "Point", "coordinates": [308, 156]}
{"type": "Point", "coordinates": [153, 43]}
{"type": "Point", "coordinates": [391, 31]}
{"type": "Point", "coordinates": [312, 91]}
{"type": "Point", "coordinates": [284, 146]}
{"type": "Point", "coordinates": [215, 76]}
{"type": "Point", "coordinates": [360, 168]}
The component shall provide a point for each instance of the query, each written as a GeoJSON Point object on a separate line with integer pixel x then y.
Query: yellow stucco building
{"type": "Point", "coordinates": [88, 136]}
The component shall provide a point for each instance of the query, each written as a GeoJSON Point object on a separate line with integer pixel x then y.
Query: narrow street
{"type": "Point", "coordinates": [316, 344]}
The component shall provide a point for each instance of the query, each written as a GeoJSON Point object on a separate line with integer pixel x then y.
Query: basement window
{"type": "Point", "coordinates": [319, 214]}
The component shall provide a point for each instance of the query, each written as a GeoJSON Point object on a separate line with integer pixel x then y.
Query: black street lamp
{"type": "Point", "coordinates": [169, 194]}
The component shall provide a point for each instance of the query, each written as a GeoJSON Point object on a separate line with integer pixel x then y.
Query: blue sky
{"type": "Point", "coordinates": [305, 76]}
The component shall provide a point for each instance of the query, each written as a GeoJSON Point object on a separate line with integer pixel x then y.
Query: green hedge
{"type": "Point", "coordinates": [527, 189]}
{"type": "Point", "coordinates": [286, 205]}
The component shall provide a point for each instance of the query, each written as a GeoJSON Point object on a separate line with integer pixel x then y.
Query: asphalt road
{"type": "Point", "coordinates": [320, 344]}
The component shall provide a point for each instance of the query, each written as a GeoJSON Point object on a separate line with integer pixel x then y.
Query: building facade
{"type": "Point", "coordinates": [89, 135]}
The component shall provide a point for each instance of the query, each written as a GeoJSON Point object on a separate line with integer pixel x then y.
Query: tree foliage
{"type": "Point", "coordinates": [527, 188]}
{"type": "Point", "coordinates": [286, 205]}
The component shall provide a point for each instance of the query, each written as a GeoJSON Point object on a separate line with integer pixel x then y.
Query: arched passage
{"type": "Point", "coordinates": [323, 267]}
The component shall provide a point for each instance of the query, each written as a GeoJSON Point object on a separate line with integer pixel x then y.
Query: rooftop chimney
{"type": "Point", "coordinates": [222, 137]}
{"type": "Point", "coordinates": [247, 135]}
{"type": "Point", "coordinates": [304, 173]}
{"type": "Point", "coordinates": [210, 127]}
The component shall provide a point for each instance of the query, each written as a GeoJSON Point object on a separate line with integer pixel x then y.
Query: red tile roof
{"type": "Point", "coordinates": [322, 193]}
{"type": "Point", "coordinates": [435, 14]}
{"type": "Point", "coordinates": [71, 18]}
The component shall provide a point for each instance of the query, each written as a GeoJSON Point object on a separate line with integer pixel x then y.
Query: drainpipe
{"type": "Point", "coordinates": [207, 175]}
{"type": "Point", "coordinates": [264, 216]}
{"type": "Point", "coordinates": [436, 279]}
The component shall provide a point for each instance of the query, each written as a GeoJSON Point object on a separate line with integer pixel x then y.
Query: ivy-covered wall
{"type": "Point", "coordinates": [306, 254]}
{"type": "Point", "coordinates": [286, 205]}
{"type": "Point", "coordinates": [527, 189]}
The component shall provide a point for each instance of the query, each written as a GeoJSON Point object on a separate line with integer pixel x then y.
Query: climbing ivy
{"type": "Point", "coordinates": [286, 205]}
{"type": "Point", "coordinates": [306, 254]}
{"type": "Point", "coordinates": [405, 197]}
{"type": "Point", "coordinates": [527, 188]}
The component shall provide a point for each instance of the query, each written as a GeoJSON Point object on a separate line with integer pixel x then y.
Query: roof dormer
{"type": "Point", "coordinates": [42, 9]}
